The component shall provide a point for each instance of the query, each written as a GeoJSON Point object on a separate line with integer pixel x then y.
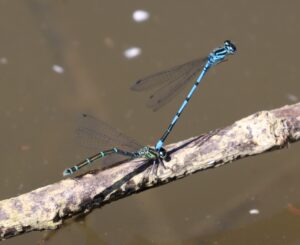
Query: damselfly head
{"type": "Point", "coordinates": [230, 47]}
{"type": "Point", "coordinates": [162, 153]}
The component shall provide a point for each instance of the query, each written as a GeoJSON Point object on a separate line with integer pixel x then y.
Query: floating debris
{"type": "Point", "coordinates": [132, 52]}
{"type": "Point", "coordinates": [292, 97]}
{"type": "Point", "coordinates": [3, 61]}
{"type": "Point", "coordinates": [58, 69]}
{"type": "Point", "coordinates": [109, 42]}
{"type": "Point", "coordinates": [140, 15]}
{"type": "Point", "coordinates": [254, 211]}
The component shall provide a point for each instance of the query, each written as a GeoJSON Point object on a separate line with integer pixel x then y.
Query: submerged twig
{"type": "Point", "coordinates": [47, 207]}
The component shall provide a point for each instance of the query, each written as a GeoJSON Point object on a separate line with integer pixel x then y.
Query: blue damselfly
{"type": "Point", "coordinates": [175, 78]}
{"type": "Point", "coordinates": [172, 80]}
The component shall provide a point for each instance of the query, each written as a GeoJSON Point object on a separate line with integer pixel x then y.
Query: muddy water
{"type": "Point", "coordinates": [61, 58]}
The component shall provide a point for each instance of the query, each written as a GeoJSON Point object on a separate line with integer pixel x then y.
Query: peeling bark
{"type": "Point", "coordinates": [47, 207]}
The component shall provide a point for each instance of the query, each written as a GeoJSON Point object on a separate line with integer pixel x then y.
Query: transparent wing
{"type": "Point", "coordinates": [169, 90]}
{"type": "Point", "coordinates": [98, 135]}
{"type": "Point", "coordinates": [168, 76]}
{"type": "Point", "coordinates": [95, 133]}
{"type": "Point", "coordinates": [170, 81]}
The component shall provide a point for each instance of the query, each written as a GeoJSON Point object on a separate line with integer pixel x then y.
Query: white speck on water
{"type": "Point", "coordinates": [109, 42]}
{"type": "Point", "coordinates": [140, 15]}
{"type": "Point", "coordinates": [3, 61]}
{"type": "Point", "coordinates": [132, 52]}
{"type": "Point", "coordinates": [58, 69]}
{"type": "Point", "coordinates": [254, 211]}
{"type": "Point", "coordinates": [292, 97]}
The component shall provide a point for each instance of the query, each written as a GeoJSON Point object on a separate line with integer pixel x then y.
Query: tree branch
{"type": "Point", "coordinates": [47, 207]}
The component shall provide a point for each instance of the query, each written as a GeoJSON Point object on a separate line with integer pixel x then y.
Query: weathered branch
{"type": "Point", "coordinates": [47, 207]}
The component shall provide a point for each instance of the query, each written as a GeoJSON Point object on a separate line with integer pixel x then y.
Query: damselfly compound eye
{"type": "Point", "coordinates": [162, 153]}
{"type": "Point", "coordinates": [230, 46]}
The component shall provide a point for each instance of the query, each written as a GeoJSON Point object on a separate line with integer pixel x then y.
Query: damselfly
{"type": "Point", "coordinates": [175, 78]}
{"type": "Point", "coordinates": [94, 132]}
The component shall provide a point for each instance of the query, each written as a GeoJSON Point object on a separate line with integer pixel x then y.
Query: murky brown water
{"type": "Point", "coordinates": [39, 108]}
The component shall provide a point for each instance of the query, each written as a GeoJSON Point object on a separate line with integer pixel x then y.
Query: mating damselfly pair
{"type": "Point", "coordinates": [175, 78]}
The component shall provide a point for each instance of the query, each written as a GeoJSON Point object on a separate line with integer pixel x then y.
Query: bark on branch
{"type": "Point", "coordinates": [47, 207]}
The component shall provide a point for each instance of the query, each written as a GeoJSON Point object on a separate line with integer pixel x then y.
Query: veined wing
{"type": "Point", "coordinates": [97, 134]}
{"type": "Point", "coordinates": [168, 76]}
{"type": "Point", "coordinates": [169, 90]}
